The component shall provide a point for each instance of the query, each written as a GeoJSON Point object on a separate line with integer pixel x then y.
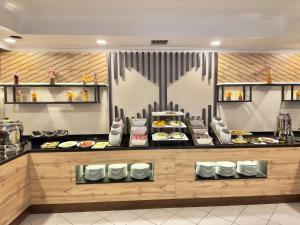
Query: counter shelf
{"type": "Point", "coordinates": [80, 176]}
{"type": "Point", "coordinates": [262, 173]}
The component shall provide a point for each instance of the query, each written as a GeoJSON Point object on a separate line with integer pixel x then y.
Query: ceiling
{"type": "Point", "coordinates": [77, 24]}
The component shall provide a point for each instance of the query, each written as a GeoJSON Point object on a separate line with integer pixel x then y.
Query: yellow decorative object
{"type": "Point", "coordinates": [33, 96]}
{"type": "Point", "coordinates": [228, 95]}
{"type": "Point", "coordinates": [85, 95]}
{"type": "Point", "coordinates": [298, 95]}
{"type": "Point", "coordinates": [85, 79]}
{"type": "Point", "coordinates": [95, 78]}
{"type": "Point", "coordinates": [70, 95]}
{"type": "Point", "coordinates": [267, 71]}
{"type": "Point", "coordinates": [240, 95]}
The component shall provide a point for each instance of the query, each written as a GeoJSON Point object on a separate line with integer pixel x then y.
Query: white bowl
{"type": "Point", "coordinates": [138, 140]}
{"type": "Point", "coordinates": [138, 130]}
{"type": "Point", "coordinates": [215, 120]}
{"type": "Point", "coordinates": [117, 171]}
{"type": "Point", "coordinates": [116, 127]}
{"type": "Point", "coordinates": [140, 170]}
{"type": "Point", "coordinates": [220, 126]}
{"type": "Point", "coordinates": [94, 172]}
{"type": "Point", "coordinates": [114, 138]}
{"type": "Point", "coordinates": [138, 122]}
{"type": "Point", "coordinates": [118, 121]}
{"type": "Point", "coordinates": [225, 136]}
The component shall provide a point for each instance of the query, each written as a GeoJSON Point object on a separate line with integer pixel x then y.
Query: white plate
{"type": "Point", "coordinates": [68, 144]}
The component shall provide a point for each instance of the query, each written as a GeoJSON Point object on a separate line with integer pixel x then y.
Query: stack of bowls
{"type": "Point", "coordinates": [94, 172]}
{"type": "Point", "coordinates": [247, 168]}
{"type": "Point", "coordinates": [206, 169]}
{"type": "Point", "coordinates": [215, 120]}
{"type": "Point", "coordinates": [226, 168]}
{"type": "Point", "coordinates": [117, 171]}
{"type": "Point", "coordinates": [140, 170]}
{"type": "Point", "coordinates": [220, 126]}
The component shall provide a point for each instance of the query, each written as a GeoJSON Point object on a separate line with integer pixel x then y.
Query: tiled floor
{"type": "Point", "coordinates": [267, 214]}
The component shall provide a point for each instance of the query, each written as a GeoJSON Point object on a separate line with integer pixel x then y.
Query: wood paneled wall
{"type": "Point", "coordinates": [14, 189]}
{"type": "Point", "coordinates": [248, 67]}
{"type": "Point", "coordinates": [33, 67]}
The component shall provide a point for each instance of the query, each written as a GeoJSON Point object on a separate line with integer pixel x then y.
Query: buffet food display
{"type": "Point", "coordinates": [199, 131]}
{"type": "Point", "coordinates": [168, 122]}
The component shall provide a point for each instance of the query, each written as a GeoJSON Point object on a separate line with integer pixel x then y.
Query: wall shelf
{"type": "Point", "coordinates": [7, 86]}
{"type": "Point", "coordinates": [289, 93]}
{"type": "Point", "coordinates": [244, 89]}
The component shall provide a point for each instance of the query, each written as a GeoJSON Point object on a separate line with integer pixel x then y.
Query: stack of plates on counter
{"type": "Point", "coordinates": [140, 170]}
{"type": "Point", "coordinates": [117, 171]}
{"type": "Point", "coordinates": [247, 168]}
{"type": "Point", "coordinates": [94, 172]}
{"type": "Point", "coordinates": [226, 168]}
{"type": "Point", "coordinates": [206, 169]}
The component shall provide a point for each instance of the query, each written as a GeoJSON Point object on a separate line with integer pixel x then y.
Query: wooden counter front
{"type": "Point", "coordinates": [49, 177]}
{"type": "Point", "coordinates": [14, 189]}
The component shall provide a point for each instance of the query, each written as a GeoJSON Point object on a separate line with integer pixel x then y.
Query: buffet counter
{"type": "Point", "coordinates": [46, 180]}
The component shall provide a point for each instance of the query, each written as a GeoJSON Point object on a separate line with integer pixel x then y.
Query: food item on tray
{"type": "Point", "coordinates": [49, 145]}
{"type": "Point", "coordinates": [240, 132]}
{"type": "Point", "coordinates": [268, 140]}
{"type": "Point", "coordinates": [100, 145]}
{"type": "Point", "coordinates": [239, 141]}
{"type": "Point", "coordinates": [177, 135]}
{"type": "Point", "coordinates": [175, 123]}
{"type": "Point", "coordinates": [161, 135]}
{"type": "Point", "coordinates": [159, 123]}
{"type": "Point", "coordinates": [68, 144]}
{"type": "Point", "coordinates": [86, 144]}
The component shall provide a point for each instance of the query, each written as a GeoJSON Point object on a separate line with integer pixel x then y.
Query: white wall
{"type": "Point", "coordinates": [77, 118]}
{"type": "Point", "coordinates": [261, 114]}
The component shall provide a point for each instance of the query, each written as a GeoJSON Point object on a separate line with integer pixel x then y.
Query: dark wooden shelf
{"type": "Point", "coordinates": [56, 85]}
{"type": "Point", "coordinates": [37, 103]}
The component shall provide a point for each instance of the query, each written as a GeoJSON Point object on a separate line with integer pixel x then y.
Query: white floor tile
{"type": "Point", "coordinates": [273, 223]}
{"type": "Point", "coordinates": [81, 218]}
{"type": "Point", "coordinates": [260, 211]}
{"type": "Point", "coordinates": [45, 219]}
{"type": "Point", "coordinates": [65, 223]}
{"type": "Point", "coordinates": [206, 208]}
{"type": "Point", "coordinates": [293, 208]}
{"type": "Point", "coordinates": [248, 219]}
{"type": "Point", "coordinates": [176, 220]}
{"type": "Point", "coordinates": [139, 211]}
{"type": "Point", "coordinates": [228, 212]}
{"type": "Point", "coordinates": [192, 214]}
{"type": "Point", "coordinates": [102, 222]}
{"type": "Point", "coordinates": [173, 210]}
{"type": "Point", "coordinates": [121, 217]}
{"type": "Point", "coordinates": [157, 216]}
{"type": "Point", "coordinates": [285, 218]}
{"type": "Point", "coordinates": [270, 206]}
{"type": "Point", "coordinates": [25, 222]}
{"type": "Point", "coordinates": [214, 220]}
{"type": "Point", "coordinates": [104, 214]}
{"type": "Point", "coordinates": [140, 221]}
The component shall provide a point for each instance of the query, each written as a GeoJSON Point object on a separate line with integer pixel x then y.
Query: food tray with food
{"type": "Point", "coordinates": [199, 137]}
{"type": "Point", "coordinates": [50, 145]}
{"type": "Point", "coordinates": [236, 132]}
{"type": "Point", "coordinates": [168, 124]}
{"type": "Point", "coordinates": [175, 136]}
{"type": "Point", "coordinates": [86, 144]}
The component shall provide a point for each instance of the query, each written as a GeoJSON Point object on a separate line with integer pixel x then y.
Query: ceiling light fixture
{"type": "Point", "coordinates": [101, 42]}
{"type": "Point", "coordinates": [9, 40]}
{"type": "Point", "coordinates": [215, 43]}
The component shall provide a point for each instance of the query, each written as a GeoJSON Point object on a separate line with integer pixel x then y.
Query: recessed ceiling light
{"type": "Point", "coordinates": [9, 40]}
{"type": "Point", "coordinates": [101, 42]}
{"type": "Point", "coordinates": [215, 43]}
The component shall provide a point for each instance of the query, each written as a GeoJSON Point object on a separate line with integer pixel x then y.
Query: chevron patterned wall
{"type": "Point", "coordinates": [248, 67]}
{"type": "Point", "coordinates": [33, 67]}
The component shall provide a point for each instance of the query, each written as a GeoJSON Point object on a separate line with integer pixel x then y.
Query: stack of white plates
{"type": "Point", "coordinates": [140, 170]}
{"type": "Point", "coordinates": [94, 172]}
{"type": "Point", "coordinates": [226, 169]}
{"type": "Point", "coordinates": [206, 169]}
{"type": "Point", "coordinates": [117, 171]}
{"type": "Point", "coordinates": [247, 168]}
